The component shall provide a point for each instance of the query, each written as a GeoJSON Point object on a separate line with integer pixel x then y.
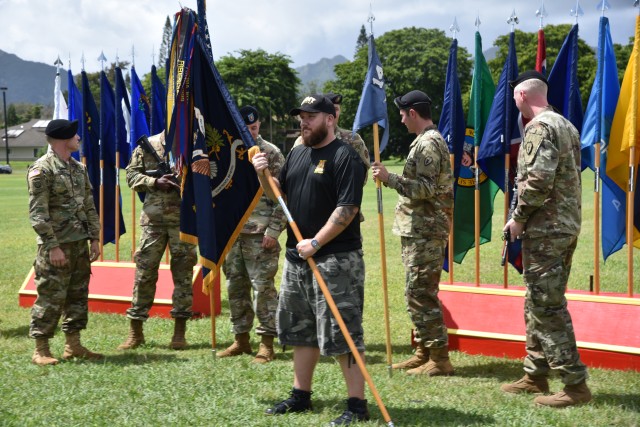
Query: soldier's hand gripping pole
{"type": "Point", "coordinates": [327, 294]}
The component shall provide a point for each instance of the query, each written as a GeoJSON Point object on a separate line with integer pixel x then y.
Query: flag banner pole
{"type": "Point", "coordinates": [101, 208]}
{"type": "Point", "coordinates": [212, 304]}
{"type": "Point", "coordinates": [383, 252]}
{"type": "Point", "coordinates": [452, 160]}
{"type": "Point", "coordinates": [330, 302]}
{"type": "Point", "coordinates": [117, 210]}
{"type": "Point", "coordinates": [507, 165]}
{"type": "Point", "coordinates": [630, 222]}
{"type": "Point", "coordinates": [596, 219]}
{"type": "Point", "coordinates": [476, 214]}
{"type": "Point", "coordinates": [133, 223]}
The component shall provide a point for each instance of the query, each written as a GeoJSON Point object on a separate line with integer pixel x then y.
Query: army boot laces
{"type": "Point", "coordinates": [577, 394]}
{"type": "Point", "coordinates": [42, 355]}
{"type": "Point", "coordinates": [178, 341]}
{"type": "Point", "coordinates": [298, 401]}
{"type": "Point", "coordinates": [356, 411]}
{"type": "Point", "coordinates": [73, 349]}
{"type": "Point", "coordinates": [265, 353]}
{"type": "Point", "coordinates": [527, 384]}
{"type": "Point", "coordinates": [239, 347]}
{"type": "Point", "coordinates": [135, 338]}
{"type": "Point", "coordinates": [419, 358]}
{"type": "Point", "coordinates": [438, 365]}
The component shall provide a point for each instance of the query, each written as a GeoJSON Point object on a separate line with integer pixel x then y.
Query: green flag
{"type": "Point", "coordinates": [482, 90]}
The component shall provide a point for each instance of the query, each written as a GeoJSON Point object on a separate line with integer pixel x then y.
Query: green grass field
{"type": "Point", "coordinates": [156, 386]}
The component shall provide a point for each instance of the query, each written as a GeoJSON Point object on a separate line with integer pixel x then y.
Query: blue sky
{"type": "Point", "coordinates": [40, 30]}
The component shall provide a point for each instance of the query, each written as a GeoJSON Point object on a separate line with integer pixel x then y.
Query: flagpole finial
{"type": "Point", "coordinates": [577, 11]}
{"type": "Point", "coordinates": [117, 58]}
{"type": "Point", "coordinates": [477, 23]}
{"type": "Point", "coordinates": [604, 6]}
{"type": "Point", "coordinates": [82, 60]}
{"type": "Point", "coordinates": [371, 18]}
{"type": "Point", "coordinates": [133, 56]}
{"type": "Point", "coordinates": [102, 59]}
{"type": "Point", "coordinates": [513, 20]}
{"type": "Point", "coordinates": [541, 13]}
{"type": "Point", "coordinates": [153, 55]}
{"type": "Point", "coordinates": [69, 60]}
{"type": "Point", "coordinates": [636, 3]}
{"type": "Point", "coordinates": [454, 28]}
{"type": "Point", "coordinates": [58, 64]}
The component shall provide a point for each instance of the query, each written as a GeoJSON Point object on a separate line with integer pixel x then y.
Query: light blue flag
{"type": "Point", "coordinates": [597, 128]}
{"type": "Point", "coordinates": [373, 102]}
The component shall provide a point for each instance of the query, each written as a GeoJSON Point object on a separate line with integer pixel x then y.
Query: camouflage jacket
{"type": "Point", "coordinates": [425, 187]}
{"type": "Point", "coordinates": [267, 217]}
{"type": "Point", "coordinates": [549, 183]}
{"type": "Point", "coordinates": [161, 208]}
{"type": "Point", "coordinates": [355, 141]}
{"type": "Point", "coordinates": [61, 208]}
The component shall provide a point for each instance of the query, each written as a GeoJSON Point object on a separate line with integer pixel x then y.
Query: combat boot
{"type": "Point", "coordinates": [42, 355]}
{"type": "Point", "coordinates": [240, 346]}
{"type": "Point", "coordinates": [419, 358]}
{"type": "Point", "coordinates": [135, 338]}
{"type": "Point", "coordinates": [438, 364]}
{"type": "Point", "coordinates": [178, 341]}
{"type": "Point", "coordinates": [265, 353]}
{"type": "Point", "coordinates": [527, 384]}
{"type": "Point", "coordinates": [73, 348]}
{"type": "Point", "coordinates": [576, 394]}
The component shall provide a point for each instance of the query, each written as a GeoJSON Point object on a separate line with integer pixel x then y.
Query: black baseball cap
{"type": "Point", "coordinates": [415, 97]}
{"type": "Point", "coordinates": [61, 129]}
{"type": "Point", "coordinates": [528, 75]}
{"type": "Point", "coordinates": [316, 103]}
{"type": "Point", "coordinates": [249, 114]}
{"type": "Point", "coordinates": [336, 98]}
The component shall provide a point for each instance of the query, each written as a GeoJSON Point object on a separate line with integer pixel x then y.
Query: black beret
{"type": "Point", "coordinates": [415, 97]}
{"type": "Point", "coordinates": [62, 129]}
{"type": "Point", "coordinates": [528, 75]}
{"type": "Point", "coordinates": [249, 114]}
{"type": "Point", "coordinates": [316, 103]}
{"type": "Point", "coordinates": [336, 98]}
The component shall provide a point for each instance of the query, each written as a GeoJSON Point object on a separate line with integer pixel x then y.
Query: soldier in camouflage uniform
{"type": "Point", "coordinates": [252, 262]}
{"type": "Point", "coordinates": [62, 213]}
{"type": "Point", "coordinates": [160, 221]}
{"type": "Point", "coordinates": [547, 219]}
{"type": "Point", "coordinates": [422, 221]}
{"type": "Point", "coordinates": [322, 180]}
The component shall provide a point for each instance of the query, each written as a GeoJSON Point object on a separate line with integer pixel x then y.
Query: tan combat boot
{"type": "Point", "coordinates": [438, 364]}
{"type": "Point", "coordinates": [527, 384]}
{"type": "Point", "coordinates": [240, 346]}
{"type": "Point", "coordinates": [135, 338]}
{"type": "Point", "coordinates": [265, 353]}
{"type": "Point", "coordinates": [178, 341]}
{"type": "Point", "coordinates": [42, 355]}
{"type": "Point", "coordinates": [73, 348]}
{"type": "Point", "coordinates": [419, 358]}
{"type": "Point", "coordinates": [576, 394]}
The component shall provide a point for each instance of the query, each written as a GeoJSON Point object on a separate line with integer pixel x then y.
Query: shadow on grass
{"type": "Point", "coordinates": [629, 402]}
{"type": "Point", "coordinates": [129, 358]}
{"type": "Point", "coordinates": [421, 415]}
{"type": "Point", "coordinates": [19, 332]}
{"type": "Point", "coordinates": [502, 370]}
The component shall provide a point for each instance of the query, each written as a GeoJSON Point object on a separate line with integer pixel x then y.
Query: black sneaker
{"type": "Point", "coordinates": [357, 411]}
{"type": "Point", "coordinates": [299, 401]}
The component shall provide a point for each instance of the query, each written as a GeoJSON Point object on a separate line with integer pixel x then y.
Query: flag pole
{"type": "Point", "coordinates": [507, 166]}
{"type": "Point", "coordinates": [630, 213]}
{"type": "Point", "coordinates": [476, 213]}
{"type": "Point", "coordinates": [330, 302]}
{"type": "Point", "coordinates": [452, 159]}
{"type": "Point", "coordinates": [596, 217]}
{"type": "Point", "coordinates": [383, 253]}
{"type": "Point", "coordinates": [212, 304]}
{"type": "Point", "coordinates": [101, 58]}
{"type": "Point", "coordinates": [117, 165]}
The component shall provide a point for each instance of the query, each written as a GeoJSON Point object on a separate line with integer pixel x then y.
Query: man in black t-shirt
{"type": "Point", "coordinates": [322, 181]}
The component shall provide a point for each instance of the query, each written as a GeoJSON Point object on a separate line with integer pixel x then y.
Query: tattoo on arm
{"type": "Point", "coordinates": [343, 215]}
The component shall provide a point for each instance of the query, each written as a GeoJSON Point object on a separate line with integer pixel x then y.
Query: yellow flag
{"type": "Point", "coordinates": [625, 129]}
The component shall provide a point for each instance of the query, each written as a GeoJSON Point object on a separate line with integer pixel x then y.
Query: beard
{"type": "Point", "coordinates": [316, 136]}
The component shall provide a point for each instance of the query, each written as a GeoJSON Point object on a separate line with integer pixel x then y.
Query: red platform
{"type": "Point", "coordinates": [112, 283]}
{"type": "Point", "coordinates": [489, 320]}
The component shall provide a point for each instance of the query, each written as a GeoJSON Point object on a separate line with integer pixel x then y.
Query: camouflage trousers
{"type": "Point", "coordinates": [304, 318]}
{"type": "Point", "coordinates": [153, 243]}
{"type": "Point", "coordinates": [423, 259]}
{"type": "Point", "coordinates": [551, 342]}
{"type": "Point", "coordinates": [62, 291]}
{"type": "Point", "coordinates": [249, 267]}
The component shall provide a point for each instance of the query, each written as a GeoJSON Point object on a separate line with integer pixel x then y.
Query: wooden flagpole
{"type": "Point", "coordinates": [212, 303]}
{"type": "Point", "coordinates": [383, 253]}
{"type": "Point", "coordinates": [476, 213]}
{"type": "Point", "coordinates": [117, 210]}
{"type": "Point", "coordinates": [329, 298]}
{"type": "Point", "coordinates": [596, 220]}
{"type": "Point", "coordinates": [452, 159]}
{"type": "Point", "coordinates": [630, 213]}
{"type": "Point", "coordinates": [133, 223]}
{"type": "Point", "coordinates": [507, 166]}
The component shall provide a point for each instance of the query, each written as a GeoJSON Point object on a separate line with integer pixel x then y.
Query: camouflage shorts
{"type": "Point", "coordinates": [304, 318]}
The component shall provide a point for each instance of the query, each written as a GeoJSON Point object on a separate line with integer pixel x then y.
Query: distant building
{"type": "Point", "coordinates": [25, 141]}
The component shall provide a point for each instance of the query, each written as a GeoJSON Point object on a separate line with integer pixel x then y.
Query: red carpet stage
{"type": "Point", "coordinates": [489, 320]}
{"type": "Point", "coordinates": [112, 283]}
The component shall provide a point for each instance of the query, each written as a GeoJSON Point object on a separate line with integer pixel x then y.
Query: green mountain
{"type": "Point", "coordinates": [28, 82]}
{"type": "Point", "coordinates": [313, 76]}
